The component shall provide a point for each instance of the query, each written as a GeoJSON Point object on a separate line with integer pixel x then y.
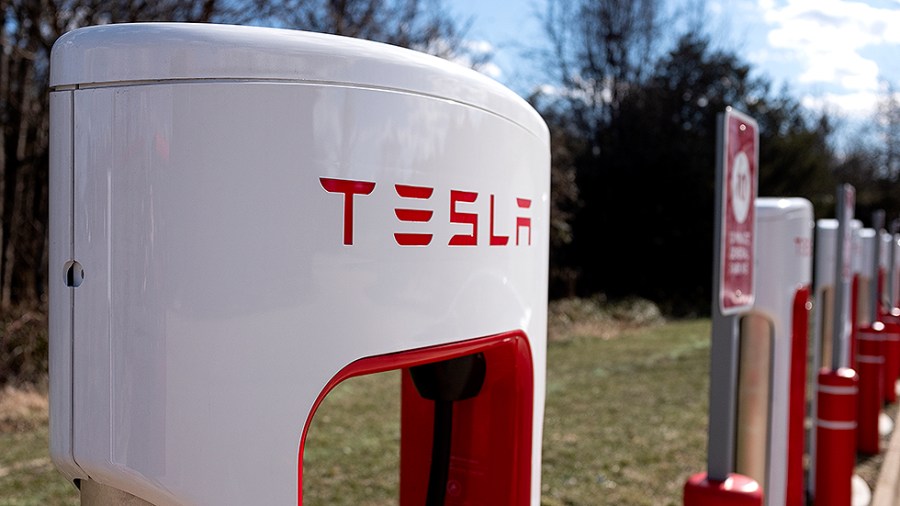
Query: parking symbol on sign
{"type": "Point", "coordinates": [740, 187]}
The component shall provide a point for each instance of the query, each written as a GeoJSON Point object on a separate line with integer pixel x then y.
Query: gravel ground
{"type": "Point", "coordinates": [867, 467]}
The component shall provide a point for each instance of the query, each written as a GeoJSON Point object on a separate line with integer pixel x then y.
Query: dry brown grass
{"type": "Point", "coordinates": [599, 318]}
{"type": "Point", "coordinates": [22, 408]}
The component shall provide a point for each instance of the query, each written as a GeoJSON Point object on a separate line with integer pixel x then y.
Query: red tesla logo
{"type": "Point", "coordinates": [414, 209]}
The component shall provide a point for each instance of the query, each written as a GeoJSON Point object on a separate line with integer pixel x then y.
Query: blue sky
{"type": "Point", "coordinates": [830, 53]}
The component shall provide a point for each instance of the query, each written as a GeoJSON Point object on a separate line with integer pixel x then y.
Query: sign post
{"type": "Point", "coordinates": [840, 336]}
{"type": "Point", "coordinates": [736, 188]}
{"type": "Point", "coordinates": [737, 161]}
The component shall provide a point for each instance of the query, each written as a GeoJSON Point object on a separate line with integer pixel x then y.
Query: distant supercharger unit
{"type": "Point", "coordinates": [828, 347]}
{"type": "Point", "coordinates": [888, 285]}
{"type": "Point", "coordinates": [774, 341]}
{"type": "Point", "coordinates": [242, 218]}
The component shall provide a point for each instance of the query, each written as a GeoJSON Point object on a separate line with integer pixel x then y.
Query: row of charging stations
{"type": "Point", "coordinates": [770, 457]}
{"type": "Point", "coordinates": [772, 365]}
{"type": "Point", "coordinates": [760, 450]}
{"type": "Point", "coordinates": [855, 346]}
{"type": "Point", "coordinates": [244, 218]}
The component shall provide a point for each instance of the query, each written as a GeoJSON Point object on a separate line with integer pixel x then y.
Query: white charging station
{"type": "Point", "coordinates": [771, 410]}
{"type": "Point", "coordinates": [243, 217]}
{"type": "Point", "coordinates": [893, 283]}
{"type": "Point", "coordinates": [886, 266]}
{"type": "Point", "coordinates": [867, 274]}
{"type": "Point", "coordinates": [834, 408]}
{"type": "Point", "coordinates": [825, 293]}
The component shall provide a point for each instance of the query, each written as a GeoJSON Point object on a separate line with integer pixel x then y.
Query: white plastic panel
{"type": "Point", "coordinates": [826, 241]}
{"type": "Point", "coordinates": [895, 278]}
{"type": "Point", "coordinates": [867, 276]}
{"type": "Point", "coordinates": [219, 295]}
{"type": "Point", "coordinates": [93, 136]}
{"type": "Point", "coordinates": [824, 291]}
{"type": "Point", "coordinates": [884, 263]}
{"type": "Point", "coordinates": [152, 52]}
{"type": "Point", "coordinates": [60, 322]}
{"type": "Point", "coordinates": [857, 262]}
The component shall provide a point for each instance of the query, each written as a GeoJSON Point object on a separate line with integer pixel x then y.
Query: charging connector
{"type": "Point", "coordinates": [444, 383]}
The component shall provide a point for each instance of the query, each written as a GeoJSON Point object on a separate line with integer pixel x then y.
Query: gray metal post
{"type": "Point", "coordinates": [723, 352]}
{"type": "Point", "coordinates": [878, 225]}
{"type": "Point", "coordinates": [891, 284]}
{"type": "Point", "coordinates": [839, 352]}
{"type": "Point", "coordinates": [722, 395]}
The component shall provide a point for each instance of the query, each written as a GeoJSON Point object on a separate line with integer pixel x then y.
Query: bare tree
{"type": "Point", "coordinates": [888, 125]}
{"type": "Point", "coordinates": [28, 29]}
{"type": "Point", "coordinates": [424, 25]}
{"type": "Point", "coordinates": [27, 33]}
{"type": "Point", "coordinates": [599, 49]}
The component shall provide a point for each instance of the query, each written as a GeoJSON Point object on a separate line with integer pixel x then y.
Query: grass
{"type": "Point", "coordinates": [352, 448]}
{"type": "Point", "coordinates": [27, 477]}
{"type": "Point", "coordinates": [625, 418]}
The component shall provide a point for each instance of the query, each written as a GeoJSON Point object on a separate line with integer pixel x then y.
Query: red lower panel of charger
{"type": "Point", "coordinates": [491, 449]}
{"type": "Point", "coordinates": [490, 460]}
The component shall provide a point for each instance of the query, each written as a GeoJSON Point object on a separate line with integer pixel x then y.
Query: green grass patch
{"type": "Point", "coordinates": [352, 453]}
{"type": "Point", "coordinates": [27, 477]}
{"type": "Point", "coordinates": [626, 418]}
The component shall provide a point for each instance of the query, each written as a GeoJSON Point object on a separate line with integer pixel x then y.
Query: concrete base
{"type": "Point", "coordinates": [95, 494]}
{"type": "Point", "coordinates": [887, 488]}
{"type": "Point", "coordinates": [885, 424]}
{"type": "Point", "coordinates": [862, 496]}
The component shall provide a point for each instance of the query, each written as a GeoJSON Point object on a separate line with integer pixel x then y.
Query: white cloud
{"type": "Point", "coordinates": [491, 70]}
{"type": "Point", "coordinates": [854, 105]}
{"type": "Point", "coordinates": [825, 37]}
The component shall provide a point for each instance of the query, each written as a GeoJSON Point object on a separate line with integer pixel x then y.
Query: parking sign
{"type": "Point", "coordinates": [740, 155]}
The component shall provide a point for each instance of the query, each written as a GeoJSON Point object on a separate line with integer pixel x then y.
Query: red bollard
{"type": "Point", "coordinates": [870, 367]}
{"type": "Point", "coordinates": [835, 436]}
{"type": "Point", "coordinates": [736, 490]}
{"type": "Point", "coordinates": [795, 494]}
{"type": "Point", "coordinates": [891, 348]}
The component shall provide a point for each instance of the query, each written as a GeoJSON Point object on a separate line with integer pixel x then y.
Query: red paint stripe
{"type": "Point", "coordinates": [415, 215]}
{"type": "Point", "coordinates": [523, 203]}
{"type": "Point", "coordinates": [413, 239]}
{"type": "Point", "coordinates": [414, 192]}
{"type": "Point", "coordinates": [347, 186]}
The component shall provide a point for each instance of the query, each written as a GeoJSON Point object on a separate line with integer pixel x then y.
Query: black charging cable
{"type": "Point", "coordinates": [444, 383]}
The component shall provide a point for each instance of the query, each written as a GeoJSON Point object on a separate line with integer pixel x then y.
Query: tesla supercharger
{"type": "Point", "coordinates": [891, 315]}
{"type": "Point", "coordinates": [833, 439]}
{"type": "Point", "coordinates": [738, 396]}
{"type": "Point", "coordinates": [856, 264]}
{"type": "Point", "coordinates": [869, 356]}
{"type": "Point", "coordinates": [892, 287]}
{"type": "Point", "coordinates": [895, 277]}
{"type": "Point", "coordinates": [772, 364]}
{"type": "Point", "coordinates": [242, 218]}
{"type": "Point", "coordinates": [885, 275]}
{"type": "Point", "coordinates": [891, 338]}
{"type": "Point", "coordinates": [824, 292]}
{"type": "Point", "coordinates": [865, 273]}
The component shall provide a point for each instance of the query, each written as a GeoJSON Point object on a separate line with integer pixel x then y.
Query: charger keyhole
{"type": "Point", "coordinates": [74, 274]}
